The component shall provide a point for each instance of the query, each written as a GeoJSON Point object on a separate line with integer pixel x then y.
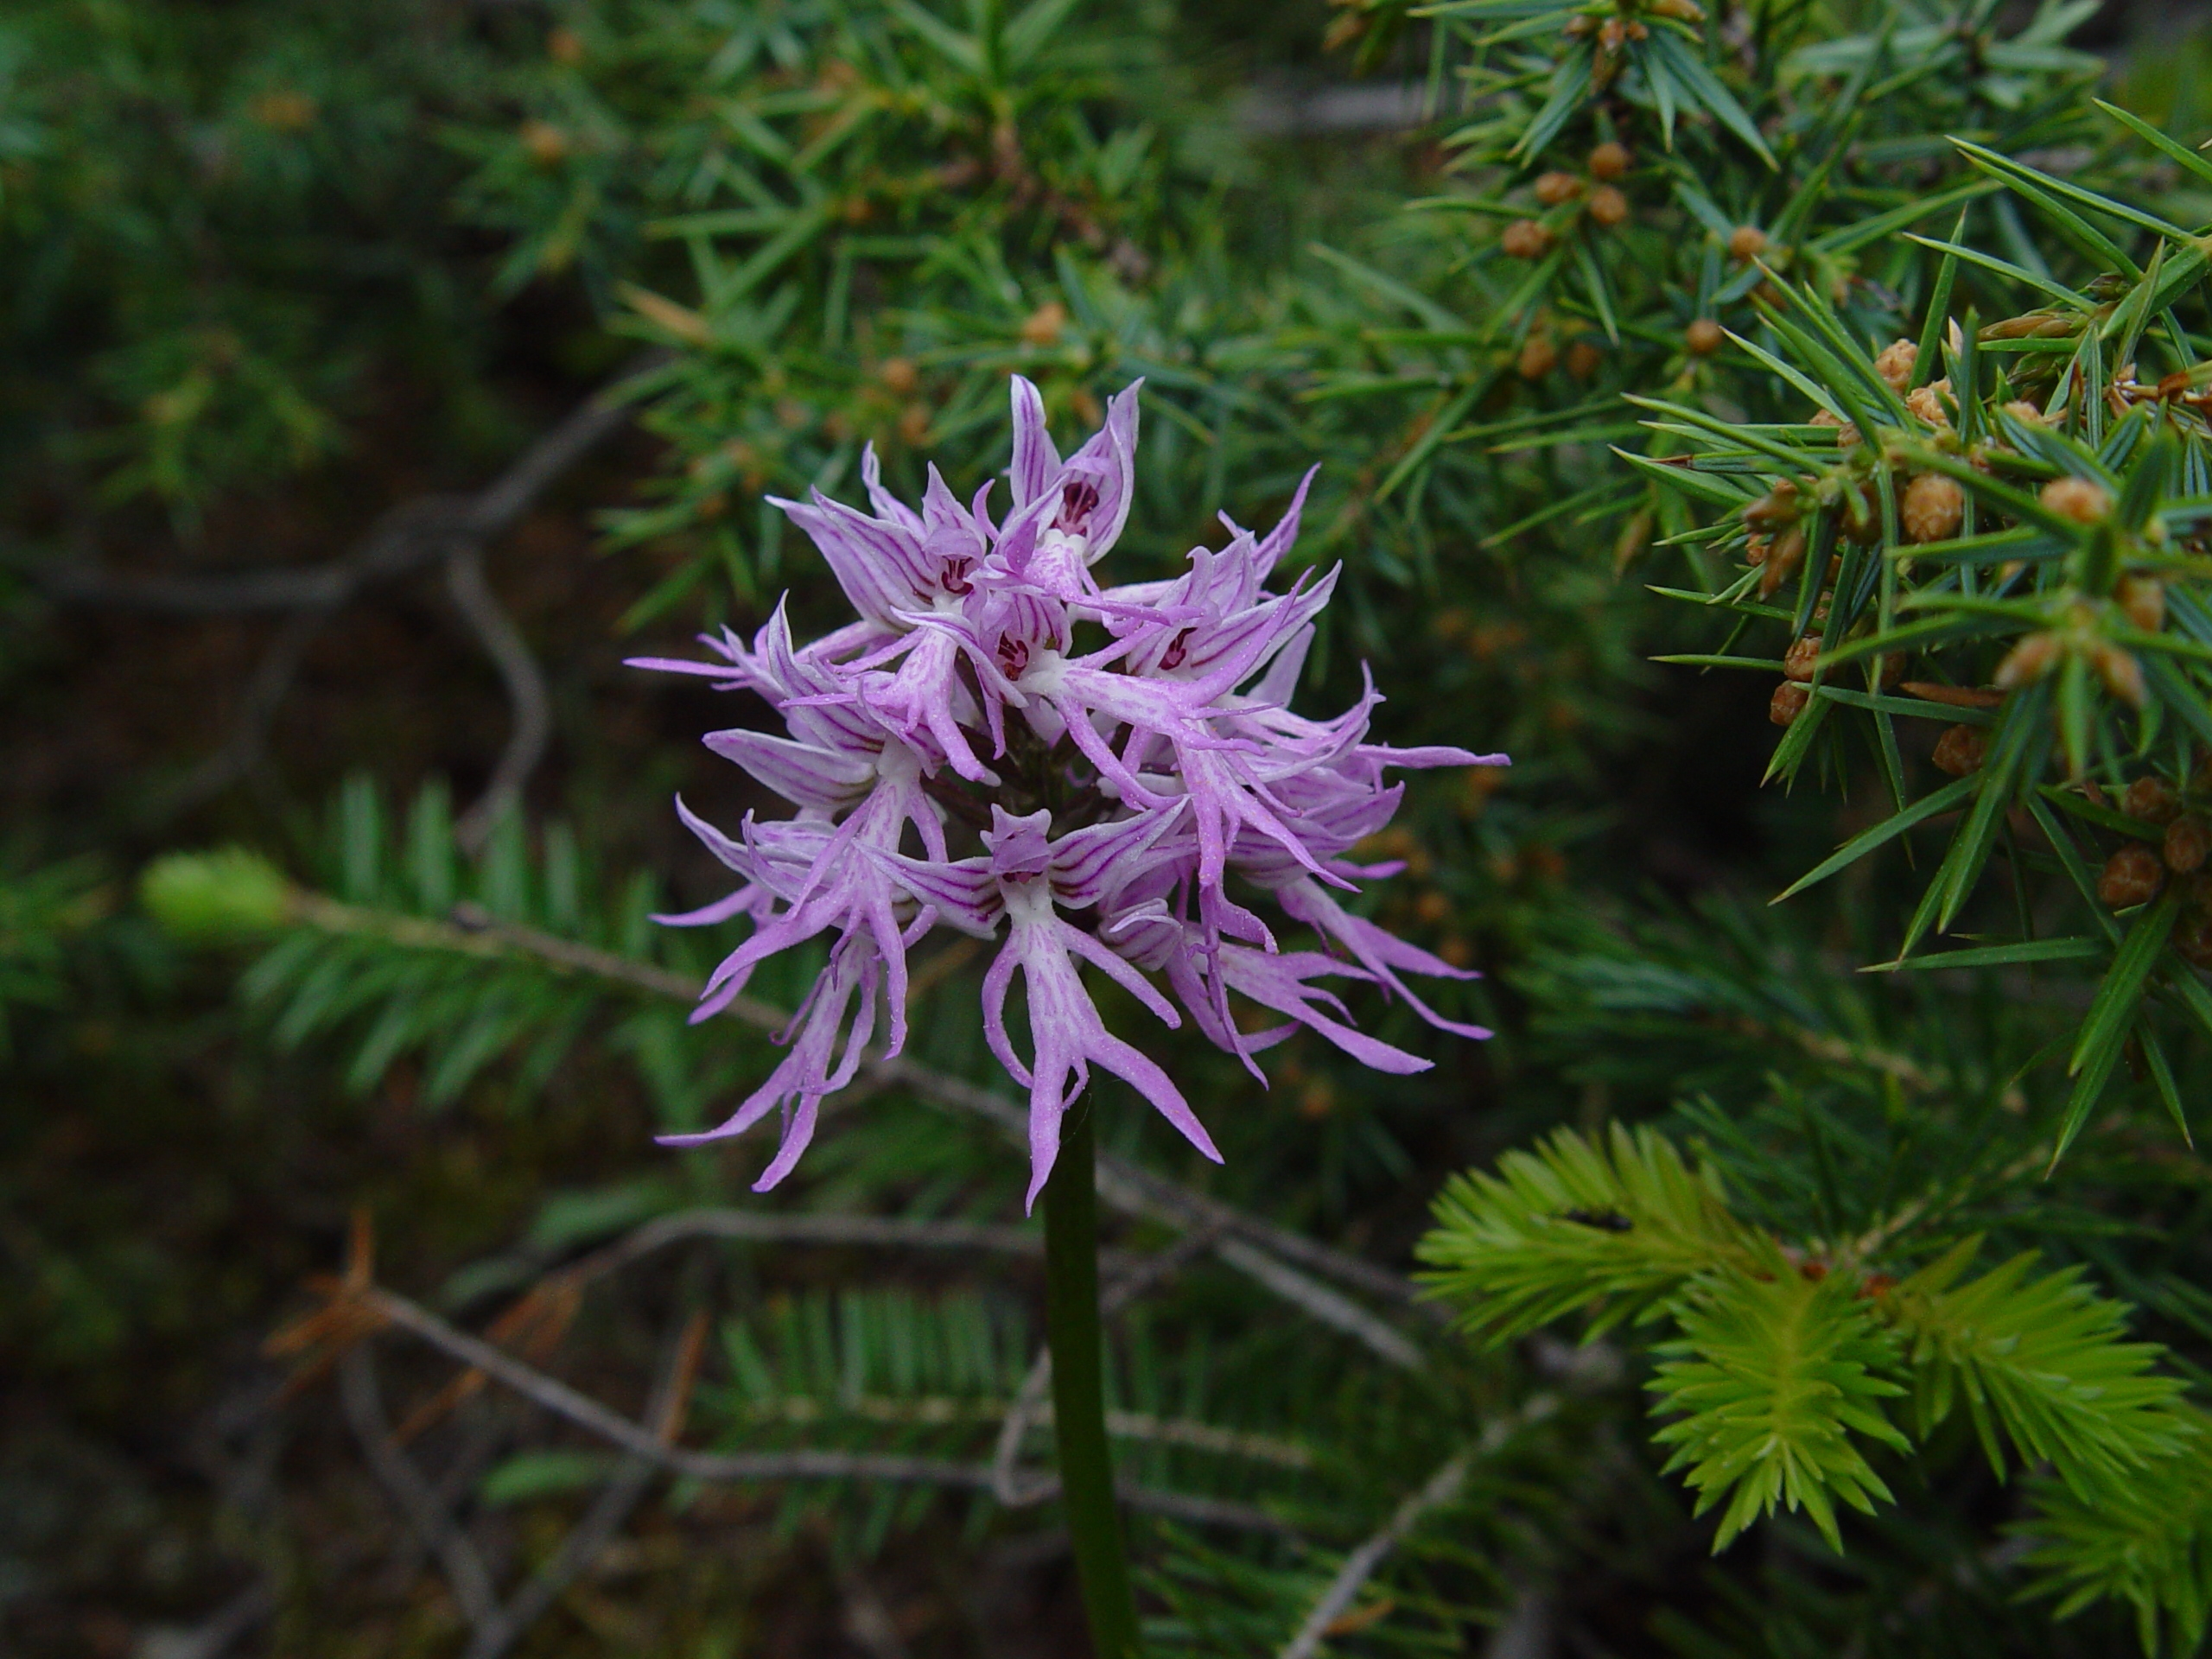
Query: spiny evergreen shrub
{"type": "Point", "coordinates": [1845, 360]}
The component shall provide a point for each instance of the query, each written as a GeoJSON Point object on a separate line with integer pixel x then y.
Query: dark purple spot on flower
{"type": "Point", "coordinates": [1013, 655]}
{"type": "Point", "coordinates": [1178, 649]}
{"type": "Point", "coordinates": [955, 580]}
{"type": "Point", "coordinates": [1079, 500]}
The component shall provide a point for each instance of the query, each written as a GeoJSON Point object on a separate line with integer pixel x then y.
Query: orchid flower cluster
{"type": "Point", "coordinates": [1112, 790]}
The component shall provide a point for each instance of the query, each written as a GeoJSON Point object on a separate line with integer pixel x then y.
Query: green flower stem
{"type": "Point", "coordinates": [1078, 1394]}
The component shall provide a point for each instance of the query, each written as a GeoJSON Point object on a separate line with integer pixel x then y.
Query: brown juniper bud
{"type": "Point", "coordinates": [2150, 800]}
{"type": "Point", "coordinates": [1798, 661]}
{"type": "Point", "coordinates": [2131, 876]}
{"type": "Point", "coordinates": [1609, 161]}
{"type": "Point", "coordinates": [1926, 405]}
{"type": "Point", "coordinates": [2142, 601]}
{"type": "Point", "coordinates": [1933, 509]}
{"type": "Point", "coordinates": [1705, 337]}
{"type": "Point", "coordinates": [1583, 358]}
{"type": "Point", "coordinates": [1524, 238]}
{"type": "Point", "coordinates": [2186, 845]}
{"type": "Point", "coordinates": [2077, 499]}
{"type": "Point", "coordinates": [547, 144]}
{"type": "Point", "coordinates": [1846, 435]}
{"type": "Point", "coordinates": [2027, 662]}
{"type": "Point", "coordinates": [1896, 362]}
{"type": "Point", "coordinates": [1755, 550]}
{"type": "Point", "coordinates": [1553, 188]}
{"type": "Point", "coordinates": [2020, 410]}
{"type": "Point", "coordinates": [1960, 750]}
{"type": "Point", "coordinates": [1538, 354]}
{"type": "Point", "coordinates": [1788, 703]}
{"type": "Point", "coordinates": [1607, 207]}
{"type": "Point", "coordinates": [1783, 555]}
{"type": "Point", "coordinates": [1777, 508]}
{"type": "Point", "coordinates": [900, 376]}
{"type": "Point", "coordinates": [1746, 243]}
{"type": "Point", "coordinates": [2122, 673]}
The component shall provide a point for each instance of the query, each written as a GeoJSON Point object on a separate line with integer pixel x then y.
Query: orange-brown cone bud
{"type": "Point", "coordinates": [1960, 750]}
{"type": "Point", "coordinates": [2131, 876]}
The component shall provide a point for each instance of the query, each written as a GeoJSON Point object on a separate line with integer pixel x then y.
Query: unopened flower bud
{"type": "Point", "coordinates": [1933, 508]}
{"type": "Point", "coordinates": [2028, 662]}
{"type": "Point", "coordinates": [2150, 800]}
{"type": "Point", "coordinates": [1553, 188]}
{"type": "Point", "coordinates": [2143, 601]}
{"type": "Point", "coordinates": [1960, 750]}
{"type": "Point", "coordinates": [1525, 239]}
{"type": "Point", "coordinates": [1583, 358]}
{"type": "Point", "coordinates": [2131, 876]}
{"type": "Point", "coordinates": [1607, 206]}
{"type": "Point", "coordinates": [1538, 355]}
{"type": "Point", "coordinates": [1609, 161]}
{"type": "Point", "coordinates": [1782, 557]}
{"type": "Point", "coordinates": [2186, 845]}
{"type": "Point", "coordinates": [1798, 661]}
{"type": "Point", "coordinates": [2020, 410]}
{"type": "Point", "coordinates": [2077, 499]}
{"type": "Point", "coordinates": [900, 376]}
{"type": "Point", "coordinates": [2122, 673]}
{"type": "Point", "coordinates": [1704, 337]}
{"type": "Point", "coordinates": [1788, 703]}
{"type": "Point", "coordinates": [213, 898]}
{"type": "Point", "coordinates": [1746, 243]}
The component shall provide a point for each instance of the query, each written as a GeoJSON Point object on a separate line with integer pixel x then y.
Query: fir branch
{"type": "Point", "coordinates": [1621, 1226]}
{"type": "Point", "coordinates": [1774, 1374]}
{"type": "Point", "coordinates": [2041, 1358]}
{"type": "Point", "coordinates": [2145, 1541]}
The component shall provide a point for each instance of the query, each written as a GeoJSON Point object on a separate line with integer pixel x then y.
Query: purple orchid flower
{"type": "Point", "coordinates": [1170, 755]}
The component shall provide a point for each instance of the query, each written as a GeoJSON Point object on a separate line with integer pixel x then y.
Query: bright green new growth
{"type": "Point", "coordinates": [1784, 1360]}
{"type": "Point", "coordinates": [215, 898]}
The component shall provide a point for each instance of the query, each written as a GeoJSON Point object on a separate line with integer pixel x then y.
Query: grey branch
{"type": "Point", "coordinates": [1440, 1489]}
{"type": "Point", "coordinates": [1360, 1565]}
{"type": "Point", "coordinates": [454, 529]}
{"type": "Point", "coordinates": [464, 1569]}
{"type": "Point", "coordinates": [1123, 1185]}
{"type": "Point", "coordinates": [609, 1510]}
{"type": "Point", "coordinates": [408, 536]}
{"type": "Point", "coordinates": [612, 1427]}
{"type": "Point", "coordinates": [525, 687]}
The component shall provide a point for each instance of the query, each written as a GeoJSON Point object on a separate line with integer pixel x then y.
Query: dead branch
{"type": "Point", "coordinates": [428, 529]}
{"type": "Point", "coordinates": [457, 1558]}
{"type": "Point", "coordinates": [558, 1397]}
{"type": "Point", "coordinates": [1440, 1489]}
{"type": "Point", "coordinates": [590, 1536]}
{"type": "Point", "coordinates": [525, 682]}
{"type": "Point", "coordinates": [1125, 1187]}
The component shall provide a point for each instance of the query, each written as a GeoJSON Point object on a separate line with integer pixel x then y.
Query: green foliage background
{"type": "Point", "coordinates": [269, 273]}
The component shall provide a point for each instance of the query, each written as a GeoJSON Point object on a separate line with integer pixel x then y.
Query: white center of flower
{"type": "Point", "coordinates": [898, 764]}
{"type": "Point", "coordinates": [1028, 898]}
{"type": "Point", "coordinates": [1046, 673]}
